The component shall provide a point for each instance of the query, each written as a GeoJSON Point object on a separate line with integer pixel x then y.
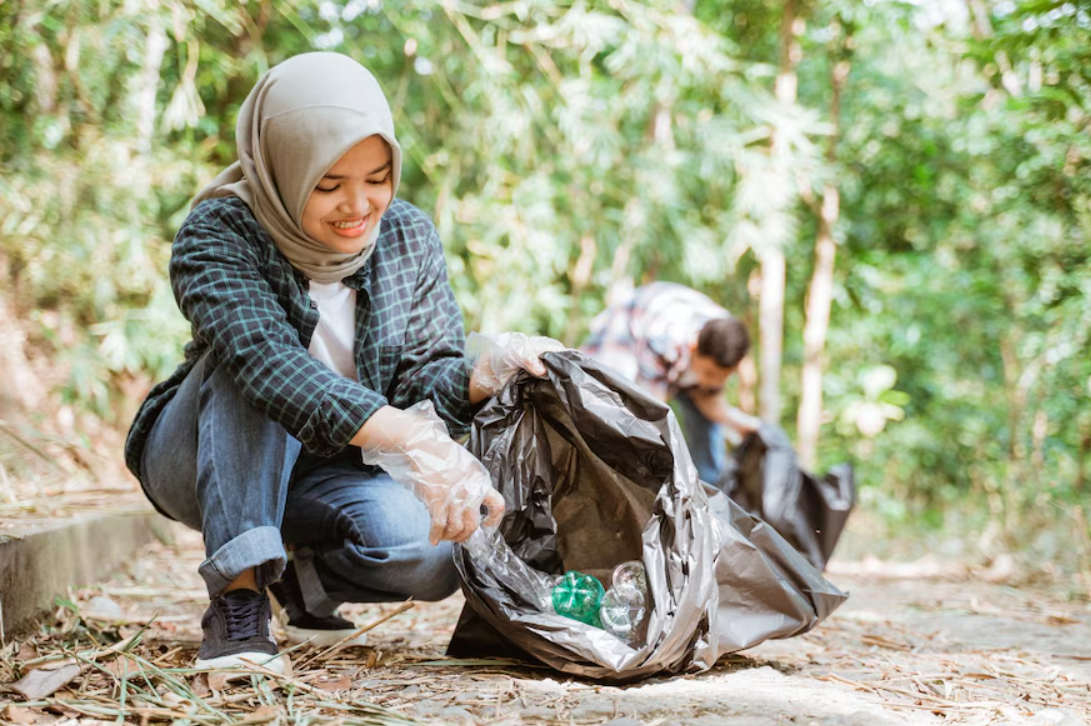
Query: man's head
{"type": "Point", "coordinates": [720, 345]}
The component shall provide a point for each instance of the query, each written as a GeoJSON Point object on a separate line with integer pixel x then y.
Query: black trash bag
{"type": "Point", "coordinates": [595, 473]}
{"type": "Point", "coordinates": [764, 478]}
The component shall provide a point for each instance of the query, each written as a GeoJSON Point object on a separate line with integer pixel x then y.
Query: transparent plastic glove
{"type": "Point", "coordinates": [501, 355]}
{"type": "Point", "coordinates": [413, 446]}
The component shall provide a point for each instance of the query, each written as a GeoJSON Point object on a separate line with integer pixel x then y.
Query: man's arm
{"type": "Point", "coordinates": [714, 407]}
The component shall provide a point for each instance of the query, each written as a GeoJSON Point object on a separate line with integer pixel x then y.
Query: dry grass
{"type": "Point", "coordinates": [131, 665]}
{"type": "Point", "coordinates": [45, 478]}
{"type": "Point", "coordinates": [904, 668]}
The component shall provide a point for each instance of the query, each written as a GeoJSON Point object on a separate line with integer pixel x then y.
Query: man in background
{"type": "Point", "coordinates": [681, 347]}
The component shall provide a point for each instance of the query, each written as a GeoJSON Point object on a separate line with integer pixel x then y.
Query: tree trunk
{"type": "Point", "coordinates": [771, 324]}
{"type": "Point", "coordinates": [22, 392]}
{"type": "Point", "coordinates": [981, 27]}
{"type": "Point", "coordinates": [819, 299]}
{"type": "Point", "coordinates": [579, 276]}
{"type": "Point", "coordinates": [155, 47]}
{"type": "Point", "coordinates": [820, 292]}
{"type": "Point", "coordinates": [1081, 460]}
{"type": "Point", "coordinates": [773, 265]}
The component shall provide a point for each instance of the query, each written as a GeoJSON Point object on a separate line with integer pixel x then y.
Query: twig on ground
{"type": "Point", "coordinates": [323, 654]}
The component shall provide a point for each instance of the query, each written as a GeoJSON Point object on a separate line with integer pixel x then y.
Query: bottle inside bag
{"type": "Point", "coordinates": [621, 610]}
{"type": "Point", "coordinates": [489, 548]}
{"type": "Point", "coordinates": [624, 608]}
{"type": "Point", "coordinates": [578, 596]}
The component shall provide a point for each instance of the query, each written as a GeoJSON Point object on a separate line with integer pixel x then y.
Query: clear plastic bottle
{"type": "Point", "coordinates": [624, 609]}
{"type": "Point", "coordinates": [490, 550]}
{"type": "Point", "coordinates": [630, 573]}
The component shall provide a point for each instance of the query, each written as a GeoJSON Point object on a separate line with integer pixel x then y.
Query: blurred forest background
{"type": "Point", "coordinates": [895, 195]}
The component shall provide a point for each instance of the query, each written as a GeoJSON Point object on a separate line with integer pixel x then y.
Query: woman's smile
{"type": "Point", "coordinates": [351, 227]}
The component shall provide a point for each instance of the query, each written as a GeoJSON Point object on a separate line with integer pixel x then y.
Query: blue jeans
{"type": "Point", "coordinates": [218, 465]}
{"type": "Point", "coordinates": [704, 438]}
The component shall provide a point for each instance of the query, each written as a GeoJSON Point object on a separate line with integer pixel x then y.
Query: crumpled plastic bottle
{"type": "Point", "coordinates": [489, 548]}
{"type": "Point", "coordinates": [624, 606]}
{"type": "Point", "coordinates": [578, 596]}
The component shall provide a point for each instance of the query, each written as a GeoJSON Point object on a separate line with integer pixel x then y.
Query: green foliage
{"type": "Point", "coordinates": [565, 147]}
{"type": "Point", "coordinates": [966, 238]}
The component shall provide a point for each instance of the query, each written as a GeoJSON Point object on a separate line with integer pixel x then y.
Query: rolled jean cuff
{"type": "Point", "coordinates": [260, 548]}
{"type": "Point", "coordinates": [315, 598]}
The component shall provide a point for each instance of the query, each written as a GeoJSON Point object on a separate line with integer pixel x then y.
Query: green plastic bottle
{"type": "Point", "coordinates": [578, 596]}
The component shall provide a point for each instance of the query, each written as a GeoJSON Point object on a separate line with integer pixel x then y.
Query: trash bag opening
{"type": "Point", "coordinates": [590, 496]}
{"type": "Point", "coordinates": [579, 456]}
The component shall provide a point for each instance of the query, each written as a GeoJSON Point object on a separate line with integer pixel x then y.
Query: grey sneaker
{"type": "Point", "coordinates": [236, 633]}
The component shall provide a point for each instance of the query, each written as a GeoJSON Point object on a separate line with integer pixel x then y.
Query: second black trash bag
{"type": "Point", "coordinates": [595, 473]}
{"type": "Point", "coordinates": [765, 478]}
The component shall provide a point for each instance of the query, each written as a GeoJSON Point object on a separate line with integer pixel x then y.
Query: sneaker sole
{"type": "Point", "coordinates": [241, 665]}
{"type": "Point", "coordinates": [323, 638]}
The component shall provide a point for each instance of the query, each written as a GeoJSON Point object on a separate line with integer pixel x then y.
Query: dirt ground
{"type": "Point", "coordinates": [901, 651]}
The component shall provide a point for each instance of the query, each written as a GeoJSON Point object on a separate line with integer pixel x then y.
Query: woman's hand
{"type": "Point", "coordinates": [500, 356]}
{"type": "Point", "coordinates": [413, 446]}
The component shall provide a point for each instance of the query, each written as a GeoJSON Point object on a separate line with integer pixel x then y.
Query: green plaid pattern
{"type": "Point", "coordinates": [250, 308]}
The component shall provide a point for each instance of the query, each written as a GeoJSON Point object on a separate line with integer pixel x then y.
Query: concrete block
{"type": "Point", "coordinates": [38, 564]}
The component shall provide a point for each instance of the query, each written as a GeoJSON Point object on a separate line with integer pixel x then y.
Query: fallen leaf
{"type": "Point", "coordinates": [121, 668]}
{"type": "Point", "coordinates": [62, 710]}
{"type": "Point", "coordinates": [27, 651]}
{"type": "Point", "coordinates": [121, 645]}
{"type": "Point", "coordinates": [19, 715]}
{"type": "Point", "coordinates": [103, 608]}
{"type": "Point", "coordinates": [262, 714]}
{"type": "Point", "coordinates": [267, 709]}
{"type": "Point", "coordinates": [333, 683]}
{"type": "Point", "coordinates": [880, 641]}
{"type": "Point", "coordinates": [218, 681]}
{"type": "Point", "coordinates": [200, 685]}
{"type": "Point", "coordinates": [43, 682]}
{"type": "Point", "coordinates": [175, 701]}
{"type": "Point", "coordinates": [51, 665]}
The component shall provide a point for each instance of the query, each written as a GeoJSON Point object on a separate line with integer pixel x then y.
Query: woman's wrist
{"type": "Point", "coordinates": [476, 391]}
{"type": "Point", "coordinates": [381, 430]}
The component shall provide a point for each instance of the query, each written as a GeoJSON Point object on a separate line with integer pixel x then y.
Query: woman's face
{"type": "Point", "coordinates": [349, 200]}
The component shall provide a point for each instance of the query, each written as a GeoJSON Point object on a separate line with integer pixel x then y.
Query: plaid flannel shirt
{"type": "Point", "coordinates": [646, 336]}
{"type": "Point", "coordinates": [250, 309]}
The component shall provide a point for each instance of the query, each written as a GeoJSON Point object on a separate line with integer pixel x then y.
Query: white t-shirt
{"type": "Point", "coordinates": [335, 334]}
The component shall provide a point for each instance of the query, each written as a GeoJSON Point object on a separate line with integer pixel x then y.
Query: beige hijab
{"type": "Point", "coordinates": [299, 119]}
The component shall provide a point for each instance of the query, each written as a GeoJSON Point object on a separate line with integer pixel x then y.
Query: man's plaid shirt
{"type": "Point", "coordinates": [646, 336]}
{"type": "Point", "coordinates": [250, 308]}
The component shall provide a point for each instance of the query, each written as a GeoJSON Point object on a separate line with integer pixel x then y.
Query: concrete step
{"type": "Point", "coordinates": [39, 562]}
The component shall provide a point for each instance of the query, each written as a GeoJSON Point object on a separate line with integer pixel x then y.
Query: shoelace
{"type": "Point", "coordinates": [243, 616]}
